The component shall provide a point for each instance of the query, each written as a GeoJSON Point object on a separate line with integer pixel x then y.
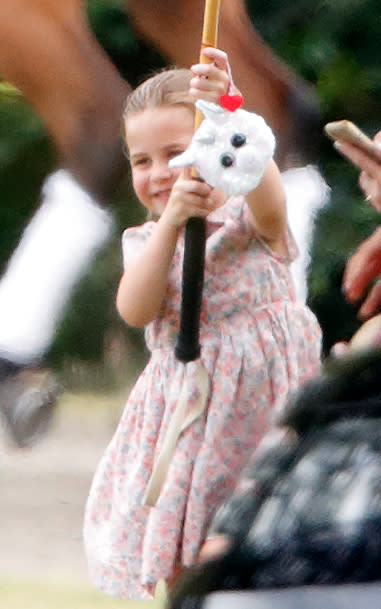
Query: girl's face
{"type": "Point", "coordinates": [153, 137]}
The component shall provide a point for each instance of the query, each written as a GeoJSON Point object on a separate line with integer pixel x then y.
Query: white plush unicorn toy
{"type": "Point", "coordinates": [230, 150]}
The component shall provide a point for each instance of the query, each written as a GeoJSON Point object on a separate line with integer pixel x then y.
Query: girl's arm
{"type": "Point", "coordinates": [144, 282]}
{"type": "Point", "coordinates": [267, 204]}
{"type": "Point", "coordinates": [268, 201]}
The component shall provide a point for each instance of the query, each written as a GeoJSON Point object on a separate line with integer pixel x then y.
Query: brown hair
{"type": "Point", "coordinates": [166, 88]}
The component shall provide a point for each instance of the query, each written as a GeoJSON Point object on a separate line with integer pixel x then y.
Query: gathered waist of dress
{"type": "Point", "coordinates": [215, 329]}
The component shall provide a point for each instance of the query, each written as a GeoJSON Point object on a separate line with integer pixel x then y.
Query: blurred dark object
{"type": "Point", "coordinates": [27, 401]}
{"type": "Point", "coordinates": [337, 317]}
{"type": "Point", "coordinates": [311, 597]}
{"type": "Point", "coordinates": [307, 511]}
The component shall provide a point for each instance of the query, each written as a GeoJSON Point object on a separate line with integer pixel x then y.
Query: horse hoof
{"type": "Point", "coordinates": [27, 402]}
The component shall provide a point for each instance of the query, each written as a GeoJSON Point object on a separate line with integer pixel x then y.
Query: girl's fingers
{"type": "Point", "coordinates": [193, 186]}
{"type": "Point", "coordinates": [198, 85]}
{"type": "Point", "coordinates": [208, 77]}
{"type": "Point", "coordinates": [216, 56]}
{"type": "Point", "coordinates": [210, 94]}
{"type": "Point", "coordinates": [208, 70]}
{"type": "Point", "coordinates": [193, 201]}
{"type": "Point", "coordinates": [208, 85]}
{"type": "Point", "coordinates": [218, 70]}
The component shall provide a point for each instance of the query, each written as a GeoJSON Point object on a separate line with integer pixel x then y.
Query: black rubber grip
{"type": "Point", "coordinates": [188, 346]}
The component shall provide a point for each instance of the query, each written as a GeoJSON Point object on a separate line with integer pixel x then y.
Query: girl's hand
{"type": "Point", "coordinates": [189, 197]}
{"type": "Point", "coordinates": [213, 79]}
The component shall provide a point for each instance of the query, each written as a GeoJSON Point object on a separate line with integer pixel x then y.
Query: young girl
{"type": "Point", "coordinates": [258, 343]}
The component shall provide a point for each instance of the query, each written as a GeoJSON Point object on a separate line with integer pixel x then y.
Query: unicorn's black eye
{"type": "Point", "coordinates": [227, 160]}
{"type": "Point", "coordinates": [238, 140]}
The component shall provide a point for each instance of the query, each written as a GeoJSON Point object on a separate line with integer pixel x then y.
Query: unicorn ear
{"type": "Point", "coordinates": [186, 159]}
{"type": "Point", "coordinates": [203, 137]}
{"type": "Point", "coordinates": [210, 110]}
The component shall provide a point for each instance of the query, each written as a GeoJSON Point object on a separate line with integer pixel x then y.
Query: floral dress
{"type": "Point", "coordinates": [258, 345]}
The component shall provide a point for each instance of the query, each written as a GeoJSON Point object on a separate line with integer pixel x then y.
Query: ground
{"type": "Point", "coordinates": [44, 490]}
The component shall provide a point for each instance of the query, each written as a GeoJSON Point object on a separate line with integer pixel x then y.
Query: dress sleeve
{"type": "Point", "coordinates": [133, 240]}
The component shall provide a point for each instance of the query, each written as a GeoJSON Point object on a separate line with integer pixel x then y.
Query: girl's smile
{"type": "Point", "coordinates": [153, 137]}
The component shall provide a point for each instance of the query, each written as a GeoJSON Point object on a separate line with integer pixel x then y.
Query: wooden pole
{"type": "Point", "coordinates": [209, 38]}
{"type": "Point", "coordinates": [188, 347]}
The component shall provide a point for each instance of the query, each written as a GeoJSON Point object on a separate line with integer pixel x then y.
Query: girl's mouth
{"type": "Point", "coordinates": [162, 195]}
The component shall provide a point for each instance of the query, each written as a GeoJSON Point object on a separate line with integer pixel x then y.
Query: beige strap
{"type": "Point", "coordinates": [181, 419]}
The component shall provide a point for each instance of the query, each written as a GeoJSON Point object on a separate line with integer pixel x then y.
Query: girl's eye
{"type": "Point", "coordinates": [140, 161]}
{"type": "Point", "coordinates": [174, 153]}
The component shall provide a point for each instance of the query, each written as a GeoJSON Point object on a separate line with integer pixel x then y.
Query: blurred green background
{"type": "Point", "coordinates": [333, 44]}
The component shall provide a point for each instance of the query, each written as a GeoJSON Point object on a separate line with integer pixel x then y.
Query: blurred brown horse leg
{"type": "Point", "coordinates": [269, 86]}
{"type": "Point", "coordinates": [49, 53]}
